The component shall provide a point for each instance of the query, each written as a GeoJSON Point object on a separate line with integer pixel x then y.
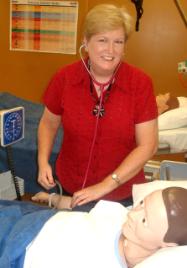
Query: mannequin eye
{"type": "Point", "coordinates": [144, 222]}
{"type": "Point", "coordinates": [142, 203]}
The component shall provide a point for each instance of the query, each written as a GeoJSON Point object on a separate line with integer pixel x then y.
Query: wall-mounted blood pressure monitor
{"type": "Point", "coordinates": [11, 125]}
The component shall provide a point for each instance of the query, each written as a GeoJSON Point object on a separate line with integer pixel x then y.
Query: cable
{"type": "Point", "coordinates": [94, 138]}
{"type": "Point", "coordinates": [139, 11]}
{"type": "Point", "coordinates": [59, 187]}
{"type": "Point", "coordinates": [12, 170]}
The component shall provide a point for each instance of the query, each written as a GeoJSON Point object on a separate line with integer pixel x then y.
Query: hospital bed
{"type": "Point", "coordinates": [173, 132]}
{"type": "Point", "coordinates": [173, 140]}
{"type": "Point", "coordinates": [24, 152]}
{"type": "Point", "coordinates": [173, 170]}
{"type": "Point", "coordinates": [24, 222]}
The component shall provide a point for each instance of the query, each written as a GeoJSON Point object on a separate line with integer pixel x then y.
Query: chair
{"type": "Point", "coordinates": [173, 170]}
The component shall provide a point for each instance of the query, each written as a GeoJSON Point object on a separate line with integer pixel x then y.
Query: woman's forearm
{"type": "Point", "coordinates": [129, 167]}
{"type": "Point", "coordinates": [147, 142]}
{"type": "Point", "coordinates": [47, 131]}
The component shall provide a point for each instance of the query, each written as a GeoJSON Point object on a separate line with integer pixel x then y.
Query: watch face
{"type": "Point", "coordinates": [12, 128]}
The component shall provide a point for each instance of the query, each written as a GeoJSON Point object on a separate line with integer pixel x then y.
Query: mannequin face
{"type": "Point", "coordinates": [105, 51]}
{"type": "Point", "coordinates": [162, 102]}
{"type": "Point", "coordinates": [146, 224]}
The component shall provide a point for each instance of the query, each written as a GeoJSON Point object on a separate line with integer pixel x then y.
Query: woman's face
{"type": "Point", "coordinates": [105, 51]}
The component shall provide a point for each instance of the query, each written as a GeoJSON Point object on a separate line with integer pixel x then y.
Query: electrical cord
{"type": "Point", "coordinates": [12, 170]}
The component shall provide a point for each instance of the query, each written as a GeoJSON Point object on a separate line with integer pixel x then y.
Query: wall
{"type": "Point", "coordinates": [160, 45]}
{"type": "Point", "coordinates": [26, 74]}
{"type": "Point", "coordinates": [157, 48]}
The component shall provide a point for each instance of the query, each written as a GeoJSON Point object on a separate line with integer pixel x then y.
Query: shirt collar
{"type": "Point", "coordinates": [81, 75]}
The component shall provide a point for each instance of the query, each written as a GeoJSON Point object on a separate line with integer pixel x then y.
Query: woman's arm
{"type": "Point", "coordinates": [147, 142]}
{"type": "Point", "coordinates": [47, 131]}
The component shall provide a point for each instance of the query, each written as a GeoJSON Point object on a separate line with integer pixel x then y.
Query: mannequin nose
{"type": "Point", "coordinates": [135, 213]}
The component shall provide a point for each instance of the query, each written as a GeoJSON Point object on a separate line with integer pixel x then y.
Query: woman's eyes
{"type": "Point", "coordinates": [119, 42]}
{"type": "Point", "coordinates": [102, 40]}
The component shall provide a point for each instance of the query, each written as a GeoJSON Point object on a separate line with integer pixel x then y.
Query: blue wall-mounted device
{"type": "Point", "coordinates": [12, 123]}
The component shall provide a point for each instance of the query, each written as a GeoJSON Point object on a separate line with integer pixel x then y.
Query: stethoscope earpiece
{"type": "Point", "coordinates": [84, 46]}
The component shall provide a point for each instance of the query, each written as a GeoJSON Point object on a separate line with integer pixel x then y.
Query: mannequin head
{"type": "Point", "coordinates": [158, 221]}
{"type": "Point", "coordinates": [166, 102]}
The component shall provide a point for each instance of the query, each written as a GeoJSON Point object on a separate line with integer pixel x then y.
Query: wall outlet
{"type": "Point", "coordinates": [182, 67]}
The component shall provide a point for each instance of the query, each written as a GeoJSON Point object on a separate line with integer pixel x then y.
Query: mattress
{"type": "Point", "coordinates": [173, 139]}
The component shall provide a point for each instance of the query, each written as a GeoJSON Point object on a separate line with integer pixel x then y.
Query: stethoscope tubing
{"type": "Point", "coordinates": [102, 87]}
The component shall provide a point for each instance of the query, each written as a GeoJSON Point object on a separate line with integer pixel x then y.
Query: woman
{"type": "Point", "coordinates": [108, 112]}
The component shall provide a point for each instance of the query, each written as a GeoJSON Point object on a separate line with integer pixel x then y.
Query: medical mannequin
{"type": "Point", "coordinates": [158, 221]}
{"type": "Point", "coordinates": [167, 102]}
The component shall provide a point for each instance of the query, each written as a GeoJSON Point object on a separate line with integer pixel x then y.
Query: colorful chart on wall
{"type": "Point", "coordinates": [43, 26]}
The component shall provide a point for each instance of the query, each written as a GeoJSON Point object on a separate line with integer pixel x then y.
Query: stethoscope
{"type": "Point", "coordinates": [102, 87]}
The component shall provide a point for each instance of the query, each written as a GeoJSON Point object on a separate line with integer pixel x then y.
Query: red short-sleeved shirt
{"type": "Point", "coordinates": [131, 101]}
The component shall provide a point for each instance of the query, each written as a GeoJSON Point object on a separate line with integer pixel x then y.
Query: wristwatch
{"type": "Point", "coordinates": [116, 178]}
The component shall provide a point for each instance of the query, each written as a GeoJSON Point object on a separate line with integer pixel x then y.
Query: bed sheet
{"type": "Point", "coordinates": [20, 222]}
{"type": "Point", "coordinates": [173, 139]}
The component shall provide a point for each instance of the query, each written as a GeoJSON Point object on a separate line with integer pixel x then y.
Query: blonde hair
{"type": "Point", "coordinates": [106, 17]}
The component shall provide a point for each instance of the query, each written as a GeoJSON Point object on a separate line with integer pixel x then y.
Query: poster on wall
{"type": "Point", "coordinates": [43, 26]}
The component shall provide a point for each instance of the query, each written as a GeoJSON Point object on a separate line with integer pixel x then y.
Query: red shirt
{"type": "Point", "coordinates": [131, 101]}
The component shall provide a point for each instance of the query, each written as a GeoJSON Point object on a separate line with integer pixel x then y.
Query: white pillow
{"type": "Point", "coordinates": [182, 101]}
{"type": "Point", "coordinates": [175, 118]}
{"type": "Point", "coordinates": [169, 257]}
{"type": "Point", "coordinates": [139, 191]}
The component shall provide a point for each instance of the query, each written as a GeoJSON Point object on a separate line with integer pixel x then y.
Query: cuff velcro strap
{"type": "Point", "coordinates": [50, 199]}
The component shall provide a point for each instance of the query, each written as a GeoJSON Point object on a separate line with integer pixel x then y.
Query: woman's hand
{"type": "Point", "coordinates": [45, 177]}
{"type": "Point", "coordinates": [88, 194]}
